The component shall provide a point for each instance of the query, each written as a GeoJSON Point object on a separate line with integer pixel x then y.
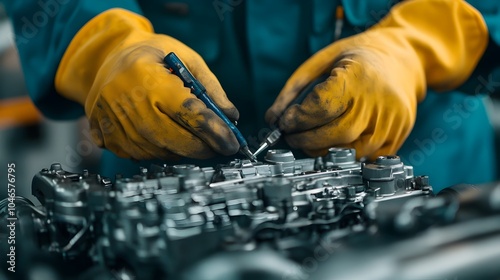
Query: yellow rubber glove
{"type": "Point", "coordinates": [136, 108]}
{"type": "Point", "coordinates": [377, 77]}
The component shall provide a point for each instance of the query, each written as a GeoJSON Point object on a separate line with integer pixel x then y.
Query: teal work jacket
{"type": "Point", "coordinates": [253, 47]}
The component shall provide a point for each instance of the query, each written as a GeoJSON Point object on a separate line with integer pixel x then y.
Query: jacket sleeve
{"type": "Point", "coordinates": [43, 30]}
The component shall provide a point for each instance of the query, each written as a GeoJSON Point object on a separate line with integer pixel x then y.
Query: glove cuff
{"type": "Point", "coordinates": [96, 40]}
{"type": "Point", "coordinates": [449, 37]}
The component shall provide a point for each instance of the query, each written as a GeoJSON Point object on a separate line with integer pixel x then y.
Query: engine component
{"type": "Point", "coordinates": [461, 248]}
{"type": "Point", "coordinates": [166, 219]}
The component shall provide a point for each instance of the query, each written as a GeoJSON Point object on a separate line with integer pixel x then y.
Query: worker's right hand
{"type": "Point", "coordinates": [136, 108]}
{"type": "Point", "coordinates": [376, 78]}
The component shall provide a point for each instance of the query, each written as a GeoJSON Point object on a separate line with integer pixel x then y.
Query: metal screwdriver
{"type": "Point", "coordinates": [175, 66]}
{"type": "Point", "coordinates": [273, 137]}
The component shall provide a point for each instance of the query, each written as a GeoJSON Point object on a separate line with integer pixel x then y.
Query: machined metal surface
{"type": "Point", "coordinates": [285, 218]}
{"type": "Point", "coordinates": [168, 217]}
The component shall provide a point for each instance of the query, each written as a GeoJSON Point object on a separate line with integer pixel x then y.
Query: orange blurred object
{"type": "Point", "coordinates": [17, 112]}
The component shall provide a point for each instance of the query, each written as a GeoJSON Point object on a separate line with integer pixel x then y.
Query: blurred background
{"type": "Point", "coordinates": [28, 139]}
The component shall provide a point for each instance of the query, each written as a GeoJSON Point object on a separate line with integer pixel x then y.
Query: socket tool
{"type": "Point", "coordinates": [273, 137]}
{"type": "Point", "coordinates": [176, 67]}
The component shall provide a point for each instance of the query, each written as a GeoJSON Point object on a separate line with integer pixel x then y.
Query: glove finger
{"type": "Point", "coordinates": [190, 112]}
{"type": "Point", "coordinates": [328, 100]}
{"type": "Point", "coordinates": [151, 130]}
{"type": "Point", "coordinates": [142, 151]}
{"type": "Point", "coordinates": [144, 147]}
{"type": "Point", "coordinates": [151, 62]}
{"type": "Point", "coordinates": [169, 137]}
{"type": "Point", "coordinates": [96, 133]}
{"type": "Point", "coordinates": [157, 92]}
{"type": "Point", "coordinates": [109, 132]}
{"type": "Point", "coordinates": [205, 124]}
{"type": "Point", "coordinates": [166, 92]}
{"type": "Point", "coordinates": [141, 148]}
{"type": "Point", "coordinates": [103, 130]}
{"type": "Point", "coordinates": [330, 135]}
{"type": "Point", "coordinates": [200, 70]}
{"type": "Point", "coordinates": [179, 140]}
{"type": "Point", "coordinates": [123, 145]}
{"type": "Point", "coordinates": [339, 132]}
{"type": "Point", "coordinates": [395, 138]}
{"type": "Point", "coordinates": [310, 70]}
{"type": "Point", "coordinates": [298, 81]}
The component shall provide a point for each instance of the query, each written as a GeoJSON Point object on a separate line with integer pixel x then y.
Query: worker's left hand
{"type": "Point", "coordinates": [136, 108]}
{"type": "Point", "coordinates": [369, 101]}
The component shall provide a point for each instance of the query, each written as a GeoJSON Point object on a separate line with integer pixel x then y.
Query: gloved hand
{"type": "Point", "coordinates": [377, 77]}
{"type": "Point", "coordinates": [136, 108]}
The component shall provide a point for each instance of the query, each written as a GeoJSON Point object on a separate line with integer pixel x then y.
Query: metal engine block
{"type": "Point", "coordinates": [165, 221]}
